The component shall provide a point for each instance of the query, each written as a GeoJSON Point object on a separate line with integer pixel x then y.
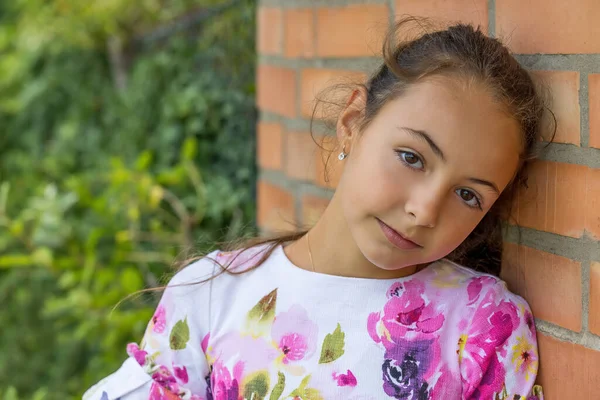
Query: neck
{"type": "Point", "coordinates": [334, 251]}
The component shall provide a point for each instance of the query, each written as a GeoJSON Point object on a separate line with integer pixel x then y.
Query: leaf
{"type": "Point", "coordinates": [300, 391]}
{"type": "Point", "coordinates": [4, 188]}
{"type": "Point", "coordinates": [189, 150]}
{"type": "Point", "coordinates": [256, 388]}
{"type": "Point", "coordinates": [304, 393]}
{"type": "Point", "coordinates": [180, 335]}
{"type": "Point", "coordinates": [333, 346]}
{"type": "Point", "coordinates": [15, 260]}
{"type": "Point", "coordinates": [279, 387]}
{"type": "Point", "coordinates": [261, 316]}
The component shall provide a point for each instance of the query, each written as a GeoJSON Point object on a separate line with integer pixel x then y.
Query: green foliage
{"type": "Point", "coordinates": [102, 187]}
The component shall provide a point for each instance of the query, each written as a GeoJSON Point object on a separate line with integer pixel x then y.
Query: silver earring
{"type": "Point", "coordinates": [343, 154]}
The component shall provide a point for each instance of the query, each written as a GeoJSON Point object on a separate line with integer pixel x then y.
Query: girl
{"type": "Point", "coordinates": [372, 302]}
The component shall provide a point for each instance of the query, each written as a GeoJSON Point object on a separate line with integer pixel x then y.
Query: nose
{"type": "Point", "coordinates": [424, 205]}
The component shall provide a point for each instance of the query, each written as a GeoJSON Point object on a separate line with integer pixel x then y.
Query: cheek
{"type": "Point", "coordinates": [378, 183]}
{"type": "Point", "coordinates": [456, 227]}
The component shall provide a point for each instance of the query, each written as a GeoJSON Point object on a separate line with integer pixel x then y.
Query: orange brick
{"type": "Point", "coordinates": [592, 216]}
{"type": "Point", "coordinates": [270, 30]}
{"type": "Point", "coordinates": [300, 155]}
{"type": "Point", "coordinates": [351, 31]}
{"type": "Point", "coordinates": [551, 284]}
{"type": "Point", "coordinates": [276, 90]}
{"type": "Point", "coordinates": [568, 371]}
{"type": "Point", "coordinates": [555, 199]}
{"type": "Point", "coordinates": [594, 93]}
{"type": "Point", "coordinates": [541, 26]}
{"type": "Point", "coordinates": [275, 208]}
{"type": "Point", "coordinates": [470, 11]}
{"type": "Point", "coordinates": [312, 209]}
{"type": "Point", "coordinates": [299, 33]}
{"type": "Point", "coordinates": [329, 168]}
{"type": "Point", "coordinates": [331, 85]}
{"type": "Point", "coordinates": [564, 86]}
{"type": "Point", "coordinates": [594, 319]}
{"type": "Point", "coordinates": [269, 145]}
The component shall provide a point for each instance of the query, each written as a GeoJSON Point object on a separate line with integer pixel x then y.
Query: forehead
{"type": "Point", "coordinates": [478, 137]}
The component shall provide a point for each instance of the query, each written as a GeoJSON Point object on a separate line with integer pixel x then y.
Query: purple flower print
{"type": "Point", "coordinates": [159, 322]}
{"type": "Point", "coordinates": [134, 351]}
{"type": "Point", "coordinates": [295, 334]}
{"type": "Point", "coordinates": [403, 369]}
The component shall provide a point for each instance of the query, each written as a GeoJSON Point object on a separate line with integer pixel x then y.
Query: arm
{"type": "Point", "coordinates": [170, 362]}
{"type": "Point", "coordinates": [499, 356]}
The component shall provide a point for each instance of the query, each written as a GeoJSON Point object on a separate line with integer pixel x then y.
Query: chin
{"type": "Point", "coordinates": [390, 258]}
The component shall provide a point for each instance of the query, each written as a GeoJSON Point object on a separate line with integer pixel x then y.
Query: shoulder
{"type": "Point", "coordinates": [218, 266]}
{"type": "Point", "coordinates": [475, 283]}
{"type": "Point", "coordinates": [484, 294]}
{"type": "Point", "coordinates": [493, 309]}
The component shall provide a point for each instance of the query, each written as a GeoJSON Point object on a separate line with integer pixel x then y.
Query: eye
{"type": "Point", "coordinates": [469, 198]}
{"type": "Point", "coordinates": [411, 159]}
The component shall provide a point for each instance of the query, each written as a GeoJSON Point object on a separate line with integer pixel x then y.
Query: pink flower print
{"type": "Point", "coordinates": [224, 385]}
{"type": "Point", "coordinates": [181, 374]}
{"type": "Point", "coordinates": [406, 315]}
{"type": "Point", "coordinates": [475, 286]}
{"type": "Point", "coordinates": [491, 327]}
{"type": "Point", "coordinates": [204, 343]}
{"type": "Point", "coordinates": [347, 379]}
{"type": "Point", "coordinates": [251, 354]}
{"type": "Point", "coordinates": [295, 334]}
{"type": "Point", "coordinates": [158, 392]}
{"type": "Point", "coordinates": [163, 376]}
{"type": "Point", "coordinates": [525, 358]}
{"type": "Point", "coordinates": [293, 347]}
{"type": "Point", "coordinates": [159, 322]}
{"type": "Point", "coordinates": [530, 322]}
{"type": "Point", "coordinates": [134, 351]}
{"type": "Point", "coordinates": [395, 290]}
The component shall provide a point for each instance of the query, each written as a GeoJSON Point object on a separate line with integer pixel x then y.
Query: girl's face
{"type": "Point", "coordinates": [425, 171]}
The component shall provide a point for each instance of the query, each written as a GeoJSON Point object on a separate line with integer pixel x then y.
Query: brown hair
{"type": "Point", "coordinates": [460, 51]}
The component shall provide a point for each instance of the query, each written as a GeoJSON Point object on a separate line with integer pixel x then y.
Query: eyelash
{"type": "Point", "coordinates": [401, 154]}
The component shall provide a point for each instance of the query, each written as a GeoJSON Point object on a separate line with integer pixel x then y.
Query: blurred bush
{"type": "Point", "coordinates": [126, 129]}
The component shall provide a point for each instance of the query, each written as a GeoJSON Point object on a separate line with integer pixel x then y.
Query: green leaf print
{"type": "Point", "coordinates": [257, 386]}
{"type": "Point", "coordinates": [261, 316]}
{"type": "Point", "coordinates": [153, 357]}
{"type": "Point", "coordinates": [279, 388]}
{"type": "Point", "coordinates": [333, 346]}
{"type": "Point", "coordinates": [306, 394]}
{"type": "Point", "coordinates": [180, 335]}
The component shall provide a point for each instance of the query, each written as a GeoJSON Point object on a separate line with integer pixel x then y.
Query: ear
{"type": "Point", "coordinates": [348, 123]}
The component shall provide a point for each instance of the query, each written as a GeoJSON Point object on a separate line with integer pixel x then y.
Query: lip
{"type": "Point", "coordinates": [396, 238]}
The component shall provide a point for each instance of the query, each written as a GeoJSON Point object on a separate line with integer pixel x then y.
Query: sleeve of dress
{"type": "Point", "coordinates": [498, 353]}
{"type": "Point", "coordinates": [170, 362]}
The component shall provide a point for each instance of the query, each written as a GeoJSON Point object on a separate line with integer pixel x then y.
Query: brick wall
{"type": "Point", "coordinates": [553, 258]}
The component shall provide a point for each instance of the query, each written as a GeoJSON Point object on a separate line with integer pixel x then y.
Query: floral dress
{"type": "Point", "coordinates": [280, 332]}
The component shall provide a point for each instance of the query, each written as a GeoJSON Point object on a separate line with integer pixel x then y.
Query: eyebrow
{"type": "Point", "coordinates": [486, 183]}
{"type": "Point", "coordinates": [423, 136]}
